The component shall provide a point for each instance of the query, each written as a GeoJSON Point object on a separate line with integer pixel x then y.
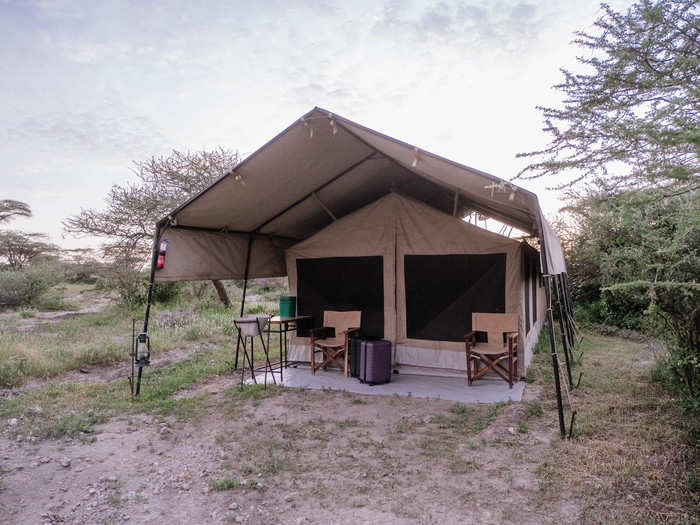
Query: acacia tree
{"type": "Point", "coordinates": [19, 248]}
{"type": "Point", "coordinates": [127, 222]}
{"type": "Point", "coordinates": [10, 209]}
{"type": "Point", "coordinates": [629, 127]}
{"type": "Point", "coordinates": [631, 118]}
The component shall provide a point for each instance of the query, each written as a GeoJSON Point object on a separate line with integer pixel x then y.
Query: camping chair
{"type": "Point", "coordinates": [501, 346]}
{"type": "Point", "coordinates": [335, 347]}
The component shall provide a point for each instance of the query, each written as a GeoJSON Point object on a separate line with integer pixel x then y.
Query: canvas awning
{"type": "Point", "coordinates": [320, 168]}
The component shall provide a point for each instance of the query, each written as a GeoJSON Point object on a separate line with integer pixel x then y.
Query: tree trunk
{"type": "Point", "coordinates": [222, 292]}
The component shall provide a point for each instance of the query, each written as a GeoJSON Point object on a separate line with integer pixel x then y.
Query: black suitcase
{"type": "Point", "coordinates": [354, 356]}
{"type": "Point", "coordinates": [375, 361]}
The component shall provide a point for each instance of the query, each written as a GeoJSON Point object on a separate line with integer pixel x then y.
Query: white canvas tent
{"type": "Point", "coordinates": [325, 178]}
{"type": "Point", "coordinates": [395, 228]}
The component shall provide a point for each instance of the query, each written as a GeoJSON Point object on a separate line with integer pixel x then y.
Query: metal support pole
{"type": "Point", "coordinates": [569, 307]}
{"type": "Point", "coordinates": [555, 357]}
{"type": "Point", "coordinates": [149, 297]}
{"type": "Point", "coordinates": [564, 334]}
{"type": "Point", "coordinates": [151, 280]}
{"type": "Point", "coordinates": [552, 340]}
{"type": "Point", "coordinates": [245, 289]}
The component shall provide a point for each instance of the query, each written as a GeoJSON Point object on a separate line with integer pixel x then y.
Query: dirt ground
{"type": "Point", "coordinates": [289, 456]}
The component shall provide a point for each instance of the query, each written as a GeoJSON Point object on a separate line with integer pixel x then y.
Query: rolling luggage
{"type": "Point", "coordinates": [354, 356]}
{"type": "Point", "coordinates": [375, 361]}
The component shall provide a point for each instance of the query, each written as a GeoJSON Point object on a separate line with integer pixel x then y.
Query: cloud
{"type": "Point", "coordinates": [477, 28]}
{"type": "Point", "coordinates": [108, 131]}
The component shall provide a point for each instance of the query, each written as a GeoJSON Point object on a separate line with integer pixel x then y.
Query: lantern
{"type": "Point", "coordinates": [143, 350]}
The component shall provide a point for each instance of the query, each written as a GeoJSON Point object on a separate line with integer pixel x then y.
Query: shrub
{"type": "Point", "coordinates": [624, 307]}
{"type": "Point", "coordinates": [592, 312]}
{"type": "Point", "coordinates": [23, 287]}
{"type": "Point", "coordinates": [674, 308]}
{"type": "Point", "coordinates": [52, 301]}
{"type": "Point", "coordinates": [165, 292]}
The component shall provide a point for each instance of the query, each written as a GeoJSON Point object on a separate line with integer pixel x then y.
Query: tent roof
{"type": "Point", "coordinates": [324, 166]}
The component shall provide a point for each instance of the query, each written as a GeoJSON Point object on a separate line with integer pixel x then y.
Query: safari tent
{"type": "Point", "coordinates": [358, 220]}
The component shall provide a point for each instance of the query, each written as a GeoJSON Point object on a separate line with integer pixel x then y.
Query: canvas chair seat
{"type": "Point", "coordinates": [493, 354]}
{"type": "Point", "coordinates": [334, 350]}
{"type": "Point", "coordinates": [486, 349]}
{"type": "Point", "coordinates": [331, 342]}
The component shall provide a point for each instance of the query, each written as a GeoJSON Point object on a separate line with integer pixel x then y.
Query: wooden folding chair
{"type": "Point", "coordinates": [500, 348]}
{"type": "Point", "coordinates": [334, 348]}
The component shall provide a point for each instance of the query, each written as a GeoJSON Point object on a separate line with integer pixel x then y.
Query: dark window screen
{"type": "Point", "coordinates": [442, 291]}
{"type": "Point", "coordinates": [342, 284]}
{"type": "Point", "coordinates": [526, 284]}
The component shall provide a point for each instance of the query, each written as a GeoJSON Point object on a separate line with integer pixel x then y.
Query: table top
{"type": "Point", "coordinates": [279, 320]}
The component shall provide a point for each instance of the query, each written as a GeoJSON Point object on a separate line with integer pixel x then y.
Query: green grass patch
{"type": "Point", "coordinates": [468, 419]}
{"type": "Point", "coordinates": [70, 410]}
{"type": "Point", "coordinates": [224, 484]}
{"type": "Point", "coordinates": [234, 484]}
{"type": "Point", "coordinates": [49, 349]}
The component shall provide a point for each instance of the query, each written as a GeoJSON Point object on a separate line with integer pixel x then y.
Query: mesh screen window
{"type": "Point", "coordinates": [343, 284]}
{"type": "Point", "coordinates": [442, 291]}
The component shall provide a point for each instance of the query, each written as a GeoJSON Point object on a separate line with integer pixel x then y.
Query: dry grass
{"type": "Point", "coordinates": [631, 462]}
{"type": "Point", "coordinates": [34, 347]}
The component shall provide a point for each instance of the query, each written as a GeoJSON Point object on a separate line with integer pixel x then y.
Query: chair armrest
{"type": "Point", "coordinates": [470, 335]}
{"type": "Point", "coordinates": [350, 330]}
{"type": "Point", "coordinates": [511, 335]}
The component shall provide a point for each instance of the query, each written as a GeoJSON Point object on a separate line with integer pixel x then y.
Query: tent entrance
{"type": "Point", "coordinates": [342, 283]}
{"type": "Point", "coordinates": [442, 291]}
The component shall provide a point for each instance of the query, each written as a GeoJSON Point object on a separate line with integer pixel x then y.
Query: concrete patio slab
{"type": "Point", "coordinates": [485, 390]}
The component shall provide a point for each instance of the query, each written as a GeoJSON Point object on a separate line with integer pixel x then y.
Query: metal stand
{"type": "Point", "coordinates": [248, 329]}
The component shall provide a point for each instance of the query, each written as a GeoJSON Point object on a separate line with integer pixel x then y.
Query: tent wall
{"type": "Point", "coordinates": [424, 230]}
{"type": "Point", "coordinates": [366, 232]}
{"type": "Point", "coordinates": [395, 227]}
{"type": "Point", "coordinates": [533, 300]}
{"type": "Point", "coordinates": [197, 255]}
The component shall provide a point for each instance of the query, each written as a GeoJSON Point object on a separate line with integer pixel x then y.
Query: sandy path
{"type": "Point", "coordinates": [302, 456]}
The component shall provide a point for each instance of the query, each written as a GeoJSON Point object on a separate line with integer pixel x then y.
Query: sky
{"type": "Point", "coordinates": [88, 87]}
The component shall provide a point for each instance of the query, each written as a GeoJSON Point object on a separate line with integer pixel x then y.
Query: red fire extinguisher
{"type": "Point", "coordinates": [160, 262]}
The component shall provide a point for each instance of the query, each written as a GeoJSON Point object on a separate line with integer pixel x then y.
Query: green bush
{"type": "Point", "coordinates": [625, 308]}
{"type": "Point", "coordinates": [23, 287]}
{"type": "Point", "coordinates": [52, 301]}
{"type": "Point", "coordinates": [165, 292]}
{"type": "Point", "coordinates": [673, 307]}
{"type": "Point", "coordinates": [592, 312]}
